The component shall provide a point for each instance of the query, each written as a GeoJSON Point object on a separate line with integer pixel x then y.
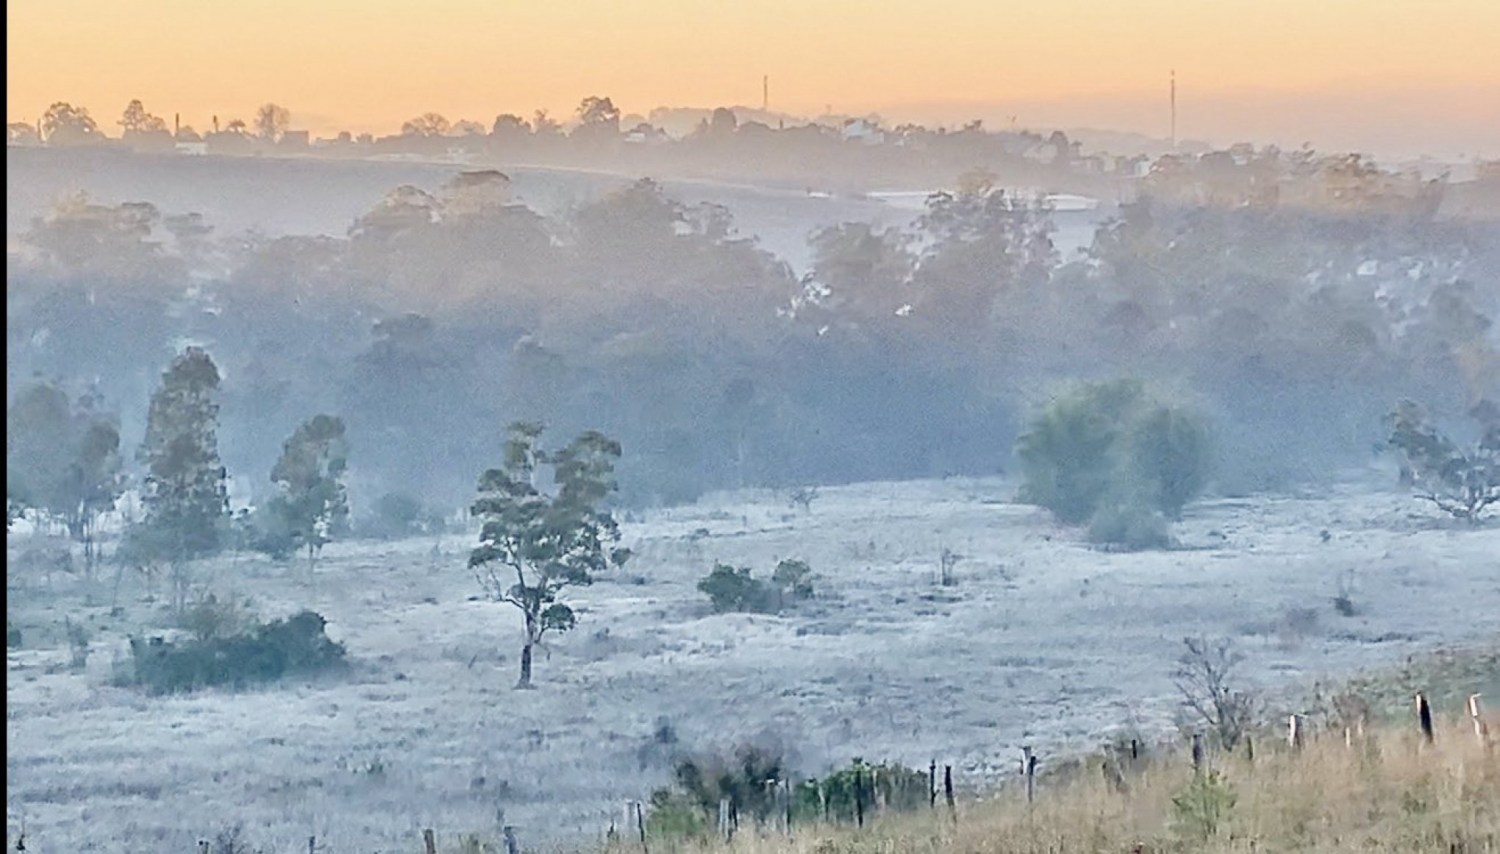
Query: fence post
{"type": "Point", "coordinates": [786, 805]}
{"type": "Point", "coordinates": [1294, 732]}
{"type": "Point", "coordinates": [948, 791]}
{"type": "Point", "coordinates": [1476, 714]}
{"type": "Point", "coordinates": [1250, 748]}
{"type": "Point", "coordinates": [1424, 717]}
{"type": "Point", "coordinates": [511, 845]}
{"type": "Point", "coordinates": [859, 797]}
{"type": "Point", "coordinates": [312, 845]}
{"type": "Point", "coordinates": [640, 824]}
{"type": "Point", "coordinates": [1028, 767]}
{"type": "Point", "coordinates": [724, 830]}
{"type": "Point", "coordinates": [429, 841]}
{"type": "Point", "coordinates": [932, 784]}
{"type": "Point", "coordinates": [1198, 754]}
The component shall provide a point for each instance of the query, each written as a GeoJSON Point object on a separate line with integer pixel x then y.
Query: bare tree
{"type": "Point", "coordinates": [271, 121]}
{"type": "Point", "coordinates": [1204, 675]}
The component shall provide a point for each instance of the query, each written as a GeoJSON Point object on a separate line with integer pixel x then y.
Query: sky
{"type": "Point", "coordinates": [1399, 75]}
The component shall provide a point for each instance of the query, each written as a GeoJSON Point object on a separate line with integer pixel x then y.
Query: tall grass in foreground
{"type": "Point", "coordinates": [1386, 790]}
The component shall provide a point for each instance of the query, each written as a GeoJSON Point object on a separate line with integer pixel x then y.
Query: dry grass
{"type": "Point", "coordinates": [1387, 791]}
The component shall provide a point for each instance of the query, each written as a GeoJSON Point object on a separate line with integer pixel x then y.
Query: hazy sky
{"type": "Point", "coordinates": [1354, 73]}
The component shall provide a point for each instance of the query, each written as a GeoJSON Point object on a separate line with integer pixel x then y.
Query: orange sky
{"type": "Point", "coordinates": [339, 64]}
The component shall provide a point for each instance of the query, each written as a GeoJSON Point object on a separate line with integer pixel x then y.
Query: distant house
{"type": "Point", "coordinates": [862, 131]}
{"type": "Point", "coordinates": [294, 140]}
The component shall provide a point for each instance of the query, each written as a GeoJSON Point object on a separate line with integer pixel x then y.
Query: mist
{"type": "Point", "coordinates": [867, 363]}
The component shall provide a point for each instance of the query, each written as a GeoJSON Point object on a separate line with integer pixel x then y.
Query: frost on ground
{"type": "Point", "coordinates": [1041, 640]}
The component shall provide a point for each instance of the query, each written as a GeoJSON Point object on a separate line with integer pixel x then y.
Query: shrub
{"type": "Point", "coordinates": [1114, 454]}
{"type": "Point", "coordinates": [794, 578]}
{"type": "Point", "coordinates": [12, 635]}
{"type": "Point", "coordinates": [1201, 807]}
{"type": "Point", "coordinates": [1461, 483]}
{"type": "Point", "coordinates": [732, 589]}
{"type": "Point", "coordinates": [834, 797]}
{"type": "Point", "coordinates": [270, 651]}
{"type": "Point", "coordinates": [741, 778]}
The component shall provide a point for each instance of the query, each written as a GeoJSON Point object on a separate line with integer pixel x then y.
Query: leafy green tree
{"type": "Point", "coordinates": [185, 495]}
{"type": "Point", "coordinates": [36, 447]}
{"type": "Point", "coordinates": [1114, 454]}
{"type": "Point", "coordinates": [534, 544]}
{"type": "Point", "coordinates": [313, 501]}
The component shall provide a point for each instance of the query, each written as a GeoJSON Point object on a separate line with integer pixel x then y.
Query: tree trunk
{"type": "Point", "coordinates": [525, 665]}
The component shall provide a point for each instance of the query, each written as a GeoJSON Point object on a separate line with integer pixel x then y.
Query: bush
{"type": "Point", "coordinates": [733, 589]}
{"type": "Point", "coordinates": [266, 653]}
{"type": "Point", "coordinates": [1461, 483]}
{"type": "Point", "coordinates": [12, 635]}
{"type": "Point", "coordinates": [834, 797]}
{"type": "Point", "coordinates": [793, 578]}
{"type": "Point", "coordinates": [1116, 456]}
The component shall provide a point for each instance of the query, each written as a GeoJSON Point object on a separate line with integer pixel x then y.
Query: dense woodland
{"type": "Point", "coordinates": [442, 316]}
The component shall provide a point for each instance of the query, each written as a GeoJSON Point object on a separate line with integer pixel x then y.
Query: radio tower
{"type": "Point", "coordinates": [1173, 97]}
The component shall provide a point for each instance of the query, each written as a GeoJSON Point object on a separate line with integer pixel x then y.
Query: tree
{"type": "Point", "coordinates": [237, 126]}
{"type": "Point", "coordinates": [1462, 483]}
{"type": "Point", "coordinates": [271, 121]}
{"type": "Point", "coordinates": [63, 459]}
{"type": "Point", "coordinates": [1205, 675]}
{"type": "Point", "coordinates": [598, 118]}
{"type": "Point", "coordinates": [427, 124]}
{"type": "Point", "coordinates": [313, 501]}
{"type": "Point", "coordinates": [546, 542]}
{"type": "Point", "coordinates": [65, 124]}
{"type": "Point", "coordinates": [185, 495]}
{"type": "Point", "coordinates": [137, 120]}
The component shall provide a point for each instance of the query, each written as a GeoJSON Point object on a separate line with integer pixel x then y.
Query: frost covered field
{"type": "Point", "coordinates": [1042, 640]}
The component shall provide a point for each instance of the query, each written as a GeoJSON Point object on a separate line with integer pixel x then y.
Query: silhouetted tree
{"type": "Point", "coordinates": [136, 120]}
{"type": "Point", "coordinates": [271, 121]}
{"type": "Point", "coordinates": [427, 124]}
{"type": "Point", "coordinates": [64, 124]}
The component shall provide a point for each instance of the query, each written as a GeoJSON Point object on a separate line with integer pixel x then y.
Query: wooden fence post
{"type": "Point", "coordinates": [640, 825]}
{"type": "Point", "coordinates": [1198, 754]}
{"type": "Point", "coordinates": [1424, 717]}
{"type": "Point", "coordinates": [724, 829]}
{"type": "Point", "coordinates": [948, 791]}
{"type": "Point", "coordinates": [429, 841]}
{"type": "Point", "coordinates": [312, 845]}
{"type": "Point", "coordinates": [932, 784]}
{"type": "Point", "coordinates": [1294, 732]}
{"type": "Point", "coordinates": [1476, 714]}
{"type": "Point", "coordinates": [859, 797]}
{"type": "Point", "coordinates": [1028, 767]}
{"type": "Point", "coordinates": [1250, 748]}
